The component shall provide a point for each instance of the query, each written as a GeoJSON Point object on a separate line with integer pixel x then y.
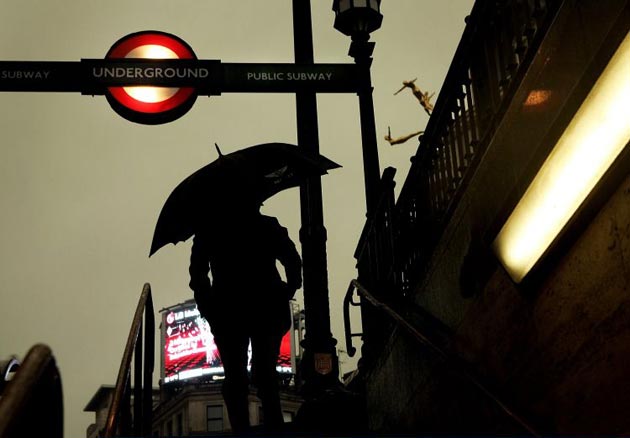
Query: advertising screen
{"type": "Point", "coordinates": [189, 350]}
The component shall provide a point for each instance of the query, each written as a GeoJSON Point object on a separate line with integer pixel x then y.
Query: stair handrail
{"type": "Point", "coordinates": [142, 387]}
{"type": "Point", "coordinates": [347, 322]}
{"type": "Point", "coordinates": [450, 359]}
{"type": "Point", "coordinates": [34, 391]}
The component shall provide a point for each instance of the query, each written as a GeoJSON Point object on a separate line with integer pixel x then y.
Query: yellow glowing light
{"type": "Point", "coordinates": [151, 94]}
{"type": "Point", "coordinates": [593, 139]}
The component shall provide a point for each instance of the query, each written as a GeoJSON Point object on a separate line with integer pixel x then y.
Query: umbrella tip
{"type": "Point", "coordinates": [218, 150]}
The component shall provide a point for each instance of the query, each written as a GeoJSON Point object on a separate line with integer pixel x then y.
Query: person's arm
{"type": "Point", "coordinates": [199, 280]}
{"type": "Point", "coordinates": [290, 259]}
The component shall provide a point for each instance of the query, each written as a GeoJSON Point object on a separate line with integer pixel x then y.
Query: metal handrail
{"type": "Point", "coordinates": [456, 363]}
{"type": "Point", "coordinates": [32, 403]}
{"type": "Point", "coordinates": [7, 368]}
{"type": "Point", "coordinates": [347, 302]}
{"type": "Point", "coordinates": [118, 414]}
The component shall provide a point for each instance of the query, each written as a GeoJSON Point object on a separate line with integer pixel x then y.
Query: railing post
{"type": "Point", "coordinates": [137, 384]}
{"type": "Point", "coordinates": [125, 425]}
{"type": "Point", "coordinates": [149, 365]}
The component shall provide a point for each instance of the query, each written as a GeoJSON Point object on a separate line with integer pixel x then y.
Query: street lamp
{"type": "Point", "coordinates": [357, 19]}
{"type": "Point", "coordinates": [354, 17]}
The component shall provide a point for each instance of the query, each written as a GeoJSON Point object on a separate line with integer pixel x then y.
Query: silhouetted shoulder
{"type": "Point", "coordinates": [271, 222]}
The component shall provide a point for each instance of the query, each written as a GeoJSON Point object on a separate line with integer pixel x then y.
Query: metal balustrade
{"type": "Point", "coordinates": [497, 47]}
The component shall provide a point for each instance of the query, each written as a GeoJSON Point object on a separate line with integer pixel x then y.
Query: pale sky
{"type": "Point", "coordinates": [82, 188]}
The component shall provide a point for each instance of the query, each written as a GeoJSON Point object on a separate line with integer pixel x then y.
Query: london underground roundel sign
{"type": "Point", "coordinates": [149, 104]}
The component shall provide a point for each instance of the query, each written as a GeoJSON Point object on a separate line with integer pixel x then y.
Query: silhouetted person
{"type": "Point", "coordinates": [244, 298]}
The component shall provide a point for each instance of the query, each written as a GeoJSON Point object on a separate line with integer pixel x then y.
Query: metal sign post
{"type": "Point", "coordinates": [202, 77]}
{"type": "Point", "coordinates": [208, 77]}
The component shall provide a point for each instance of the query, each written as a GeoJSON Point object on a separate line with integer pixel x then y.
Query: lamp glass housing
{"type": "Point", "coordinates": [357, 16]}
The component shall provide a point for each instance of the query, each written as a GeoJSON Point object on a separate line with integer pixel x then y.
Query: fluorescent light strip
{"type": "Point", "coordinates": [591, 142]}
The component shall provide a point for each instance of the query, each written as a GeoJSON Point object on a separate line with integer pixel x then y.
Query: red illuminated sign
{"type": "Point", "coordinates": [151, 104]}
{"type": "Point", "coordinates": [189, 348]}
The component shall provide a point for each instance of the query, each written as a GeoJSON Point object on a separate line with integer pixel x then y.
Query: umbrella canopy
{"type": "Point", "coordinates": [241, 179]}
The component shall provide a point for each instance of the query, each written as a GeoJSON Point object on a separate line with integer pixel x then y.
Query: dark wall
{"type": "Point", "coordinates": [557, 350]}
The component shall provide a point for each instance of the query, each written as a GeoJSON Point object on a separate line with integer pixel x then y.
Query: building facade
{"type": "Point", "coordinates": [192, 409]}
{"type": "Point", "coordinates": [199, 409]}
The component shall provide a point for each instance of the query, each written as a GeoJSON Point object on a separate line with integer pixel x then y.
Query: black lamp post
{"type": "Point", "coordinates": [319, 366]}
{"type": "Point", "coordinates": [357, 19]}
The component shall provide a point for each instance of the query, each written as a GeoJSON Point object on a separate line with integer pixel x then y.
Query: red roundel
{"type": "Point", "coordinates": [151, 105]}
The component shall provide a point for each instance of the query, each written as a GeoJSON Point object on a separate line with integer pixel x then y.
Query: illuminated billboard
{"type": "Point", "coordinates": [189, 351]}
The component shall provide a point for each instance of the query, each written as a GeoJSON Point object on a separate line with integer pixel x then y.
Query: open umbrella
{"type": "Point", "coordinates": [249, 175]}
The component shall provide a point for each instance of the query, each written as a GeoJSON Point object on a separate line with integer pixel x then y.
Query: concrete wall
{"type": "Point", "coordinates": [558, 355]}
{"type": "Point", "coordinates": [562, 353]}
